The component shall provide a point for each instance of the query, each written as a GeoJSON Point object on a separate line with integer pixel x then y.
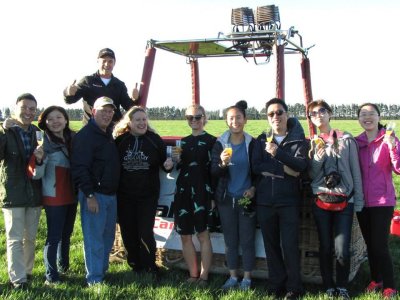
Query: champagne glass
{"type": "Point", "coordinates": [390, 128]}
{"type": "Point", "coordinates": [177, 150]}
{"type": "Point", "coordinates": [228, 150]}
{"type": "Point", "coordinates": [169, 151]}
{"type": "Point", "coordinates": [178, 145]}
{"type": "Point", "coordinates": [269, 135]}
{"type": "Point", "coordinates": [39, 137]}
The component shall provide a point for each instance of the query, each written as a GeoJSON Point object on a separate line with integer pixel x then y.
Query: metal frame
{"type": "Point", "coordinates": [256, 44]}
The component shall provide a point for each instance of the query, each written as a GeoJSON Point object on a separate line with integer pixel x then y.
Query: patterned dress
{"type": "Point", "coordinates": [194, 188]}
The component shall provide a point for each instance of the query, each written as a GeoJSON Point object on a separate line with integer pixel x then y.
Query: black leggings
{"type": "Point", "coordinates": [136, 219]}
{"type": "Point", "coordinates": [375, 226]}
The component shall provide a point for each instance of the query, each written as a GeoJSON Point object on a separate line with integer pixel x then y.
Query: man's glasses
{"type": "Point", "coordinates": [279, 112]}
{"type": "Point", "coordinates": [322, 111]}
{"type": "Point", "coordinates": [196, 117]}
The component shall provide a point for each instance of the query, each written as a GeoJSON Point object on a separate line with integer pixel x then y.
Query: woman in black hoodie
{"type": "Point", "coordinates": [142, 152]}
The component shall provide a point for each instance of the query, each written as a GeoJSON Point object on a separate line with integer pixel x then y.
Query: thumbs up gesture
{"type": "Point", "coordinates": [135, 92]}
{"type": "Point", "coordinates": [71, 89]}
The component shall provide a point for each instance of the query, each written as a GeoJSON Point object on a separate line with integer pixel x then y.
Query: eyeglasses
{"type": "Point", "coordinates": [279, 112]}
{"type": "Point", "coordinates": [196, 117]}
{"type": "Point", "coordinates": [322, 111]}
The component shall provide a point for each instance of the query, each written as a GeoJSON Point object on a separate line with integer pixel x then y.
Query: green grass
{"type": "Point", "coordinates": [123, 284]}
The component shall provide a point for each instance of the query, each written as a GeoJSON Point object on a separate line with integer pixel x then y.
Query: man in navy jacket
{"type": "Point", "coordinates": [95, 171]}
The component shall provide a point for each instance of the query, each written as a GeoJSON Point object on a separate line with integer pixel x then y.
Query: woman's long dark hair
{"type": "Point", "coordinates": [67, 132]}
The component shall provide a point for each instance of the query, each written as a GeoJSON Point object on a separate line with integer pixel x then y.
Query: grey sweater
{"type": "Point", "coordinates": [345, 159]}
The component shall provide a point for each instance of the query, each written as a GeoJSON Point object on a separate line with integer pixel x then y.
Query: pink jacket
{"type": "Point", "coordinates": [377, 163]}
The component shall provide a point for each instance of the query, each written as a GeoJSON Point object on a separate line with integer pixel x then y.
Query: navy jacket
{"type": "Point", "coordinates": [276, 187]}
{"type": "Point", "coordinates": [92, 87]}
{"type": "Point", "coordinates": [95, 163]}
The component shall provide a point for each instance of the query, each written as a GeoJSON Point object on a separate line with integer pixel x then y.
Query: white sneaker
{"type": "Point", "coordinates": [230, 283]}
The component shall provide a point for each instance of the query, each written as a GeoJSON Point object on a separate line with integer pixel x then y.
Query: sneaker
{"type": "Point", "coordinates": [373, 286]}
{"type": "Point", "coordinates": [342, 293]}
{"type": "Point", "coordinates": [230, 283]}
{"type": "Point", "coordinates": [292, 296]}
{"type": "Point", "coordinates": [245, 284]}
{"type": "Point", "coordinates": [50, 283]}
{"type": "Point", "coordinates": [389, 293]}
{"type": "Point", "coordinates": [20, 286]}
{"type": "Point", "coordinates": [201, 282]}
{"type": "Point", "coordinates": [331, 293]}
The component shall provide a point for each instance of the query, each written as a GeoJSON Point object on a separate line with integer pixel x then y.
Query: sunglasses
{"type": "Point", "coordinates": [279, 112]}
{"type": "Point", "coordinates": [196, 117]}
{"type": "Point", "coordinates": [322, 111]}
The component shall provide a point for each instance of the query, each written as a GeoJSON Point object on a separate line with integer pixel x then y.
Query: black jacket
{"type": "Point", "coordinates": [92, 87]}
{"type": "Point", "coordinates": [94, 162]}
{"type": "Point", "coordinates": [281, 189]}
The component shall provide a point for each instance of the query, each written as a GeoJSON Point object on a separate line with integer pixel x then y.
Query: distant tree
{"type": "Point", "coordinates": [7, 113]}
{"type": "Point", "coordinates": [1, 115]}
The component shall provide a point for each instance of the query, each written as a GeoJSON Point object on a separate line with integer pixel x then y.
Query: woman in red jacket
{"type": "Point", "coordinates": [59, 200]}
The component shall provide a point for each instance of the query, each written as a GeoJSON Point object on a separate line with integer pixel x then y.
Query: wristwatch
{"type": "Point", "coordinates": [90, 196]}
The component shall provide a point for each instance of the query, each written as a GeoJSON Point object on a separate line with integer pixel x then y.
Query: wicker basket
{"type": "Point", "coordinates": [118, 252]}
{"type": "Point", "coordinates": [308, 247]}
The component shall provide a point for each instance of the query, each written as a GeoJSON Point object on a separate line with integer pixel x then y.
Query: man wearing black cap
{"type": "Point", "coordinates": [101, 83]}
{"type": "Point", "coordinates": [20, 196]}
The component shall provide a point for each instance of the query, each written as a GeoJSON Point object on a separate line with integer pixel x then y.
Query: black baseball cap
{"type": "Point", "coordinates": [106, 52]}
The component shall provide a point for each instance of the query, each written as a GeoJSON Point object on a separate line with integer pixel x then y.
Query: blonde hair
{"type": "Point", "coordinates": [122, 126]}
{"type": "Point", "coordinates": [197, 107]}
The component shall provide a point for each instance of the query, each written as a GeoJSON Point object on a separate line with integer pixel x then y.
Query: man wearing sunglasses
{"type": "Point", "coordinates": [279, 162]}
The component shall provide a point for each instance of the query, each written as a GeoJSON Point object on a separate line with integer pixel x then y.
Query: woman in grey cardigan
{"type": "Point", "coordinates": [235, 181]}
{"type": "Point", "coordinates": [334, 152]}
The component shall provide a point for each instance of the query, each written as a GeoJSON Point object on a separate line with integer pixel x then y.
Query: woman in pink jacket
{"type": "Point", "coordinates": [379, 155]}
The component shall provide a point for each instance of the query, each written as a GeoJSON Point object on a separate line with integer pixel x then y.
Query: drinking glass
{"type": "Point", "coordinates": [228, 150]}
{"type": "Point", "coordinates": [39, 137]}
{"type": "Point", "coordinates": [178, 145]}
{"type": "Point", "coordinates": [169, 151]}
{"type": "Point", "coordinates": [390, 128]}
{"type": "Point", "coordinates": [269, 135]}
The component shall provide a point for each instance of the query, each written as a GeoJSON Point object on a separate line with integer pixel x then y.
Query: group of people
{"type": "Point", "coordinates": [111, 167]}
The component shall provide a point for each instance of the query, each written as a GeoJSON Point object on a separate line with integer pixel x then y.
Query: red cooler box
{"type": "Point", "coordinates": [395, 226]}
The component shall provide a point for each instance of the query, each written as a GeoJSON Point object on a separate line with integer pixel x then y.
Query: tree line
{"type": "Point", "coordinates": [341, 111]}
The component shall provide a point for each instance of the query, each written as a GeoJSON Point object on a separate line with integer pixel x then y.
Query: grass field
{"type": "Point", "coordinates": [123, 284]}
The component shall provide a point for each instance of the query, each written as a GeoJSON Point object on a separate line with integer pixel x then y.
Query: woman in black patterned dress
{"type": "Point", "coordinates": [193, 197]}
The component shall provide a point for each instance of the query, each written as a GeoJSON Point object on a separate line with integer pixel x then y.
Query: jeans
{"type": "Point", "coordinates": [136, 219]}
{"type": "Point", "coordinates": [375, 227]}
{"type": "Point", "coordinates": [98, 235]}
{"type": "Point", "coordinates": [334, 232]}
{"type": "Point", "coordinates": [60, 224]}
{"type": "Point", "coordinates": [21, 225]}
{"type": "Point", "coordinates": [238, 230]}
{"type": "Point", "coordinates": [280, 230]}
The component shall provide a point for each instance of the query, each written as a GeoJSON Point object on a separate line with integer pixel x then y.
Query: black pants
{"type": "Point", "coordinates": [334, 232]}
{"type": "Point", "coordinates": [280, 231]}
{"type": "Point", "coordinates": [136, 219]}
{"type": "Point", "coordinates": [375, 227]}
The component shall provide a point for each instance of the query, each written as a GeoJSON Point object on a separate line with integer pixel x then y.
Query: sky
{"type": "Point", "coordinates": [46, 45]}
